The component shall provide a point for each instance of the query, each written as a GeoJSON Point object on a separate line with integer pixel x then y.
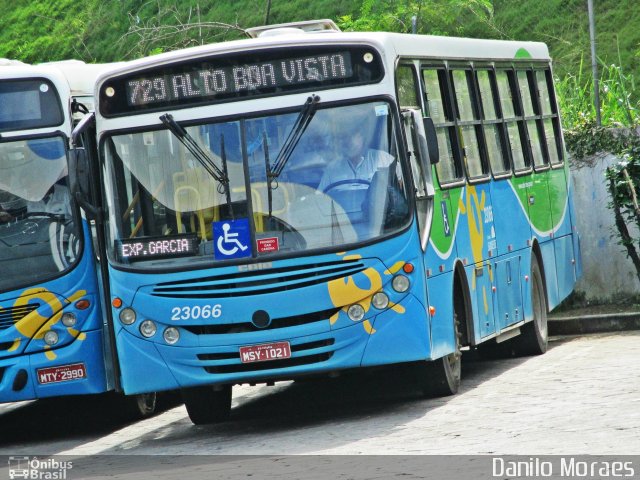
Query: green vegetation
{"type": "Point", "coordinates": [110, 30]}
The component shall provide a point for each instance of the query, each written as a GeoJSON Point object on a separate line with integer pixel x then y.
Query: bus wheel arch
{"type": "Point", "coordinates": [441, 377]}
{"type": "Point", "coordinates": [462, 310]}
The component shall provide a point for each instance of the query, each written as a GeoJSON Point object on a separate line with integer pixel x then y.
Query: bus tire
{"type": "Point", "coordinates": [144, 404]}
{"type": "Point", "coordinates": [535, 334]}
{"type": "Point", "coordinates": [133, 407]}
{"type": "Point", "coordinates": [441, 377]}
{"type": "Point", "coordinates": [207, 405]}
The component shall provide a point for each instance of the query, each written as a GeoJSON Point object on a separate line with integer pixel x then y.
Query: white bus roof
{"type": "Point", "coordinates": [81, 76]}
{"type": "Point", "coordinates": [7, 62]}
{"type": "Point", "coordinates": [392, 44]}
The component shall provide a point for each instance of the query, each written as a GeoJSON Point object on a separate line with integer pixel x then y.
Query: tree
{"type": "Point", "coordinates": [168, 28]}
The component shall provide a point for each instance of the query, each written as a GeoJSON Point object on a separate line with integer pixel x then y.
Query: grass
{"type": "Point", "coordinates": [618, 106]}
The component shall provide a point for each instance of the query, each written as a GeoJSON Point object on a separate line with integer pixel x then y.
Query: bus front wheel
{"type": "Point", "coordinates": [208, 404]}
{"type": "Point", "coordinates": [441, 377]}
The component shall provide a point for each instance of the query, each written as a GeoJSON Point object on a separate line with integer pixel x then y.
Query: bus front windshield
{"type": "Point", "coordinates": [269, 185]}
{"type": "Point", "coordinates": [38, 234]}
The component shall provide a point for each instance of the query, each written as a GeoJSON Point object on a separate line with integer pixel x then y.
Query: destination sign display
{"type": "Point", "coordinates": [241, 76]}
{"type": "Point", "coordinates": [29, 103]}
{"type": "Point", "coordinates": [211, 82]}
{"type": "Point", "coordinates": [149, 248]}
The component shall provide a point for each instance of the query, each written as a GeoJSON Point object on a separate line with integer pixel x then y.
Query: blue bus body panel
{"type": "Point", "coordinates": [310, 314]}
{"type": "Point", "coordinates": [88, 351]}
{"type": "Point", "coordinates": [31, 311]}
{"type": "Point", "coordinates": [511, 221]}
{"type": "Point", "coordinates": [442, 336]}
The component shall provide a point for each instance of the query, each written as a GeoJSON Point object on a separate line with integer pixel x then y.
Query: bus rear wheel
{"type": "Point", "coordinates": [535, 335]}
{"type": "Point", "coordinates": [208, 404]}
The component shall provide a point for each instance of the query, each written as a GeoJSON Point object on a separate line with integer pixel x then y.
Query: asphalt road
{"type": "Point", "coordinates": [581, 397]}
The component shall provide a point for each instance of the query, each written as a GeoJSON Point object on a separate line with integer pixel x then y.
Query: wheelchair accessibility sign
{"type": "Point", "coordinates": [232, 239]}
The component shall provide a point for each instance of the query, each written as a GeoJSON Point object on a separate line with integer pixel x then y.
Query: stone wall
{"type": "Point", "coordinates": [608, 274]}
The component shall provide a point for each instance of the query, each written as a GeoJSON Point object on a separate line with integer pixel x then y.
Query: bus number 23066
{"type": "Point", "coordinates": [195, 312]}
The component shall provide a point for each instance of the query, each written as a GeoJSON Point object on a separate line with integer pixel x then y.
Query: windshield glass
{"type": "Point", "coordinates": [38, 234]}
{"type": "Point", "coordinates": [289, 182]}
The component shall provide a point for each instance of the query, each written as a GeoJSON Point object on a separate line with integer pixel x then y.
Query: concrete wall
{"type": "Point", "coordinates": [608, 274]}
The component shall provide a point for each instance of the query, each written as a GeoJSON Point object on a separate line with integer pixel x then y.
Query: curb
{"type": "Point", "coordinates": [611, 322]}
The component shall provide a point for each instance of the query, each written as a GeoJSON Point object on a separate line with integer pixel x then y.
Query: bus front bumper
{"type": "Point", "coordinates": [393, 336]}
{"type": "Point", "coordinates": [38, 375]}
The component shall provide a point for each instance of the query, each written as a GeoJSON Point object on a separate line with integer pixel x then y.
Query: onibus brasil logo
{"type": "Point", "coordinates": [34, 468]}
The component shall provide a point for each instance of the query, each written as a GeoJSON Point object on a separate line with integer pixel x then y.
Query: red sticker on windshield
{"type": "Point", "coordinates": [267, 244]}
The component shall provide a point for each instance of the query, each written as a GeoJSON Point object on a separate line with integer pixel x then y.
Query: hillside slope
{"type": "Point", "coordinates": [108, 30]}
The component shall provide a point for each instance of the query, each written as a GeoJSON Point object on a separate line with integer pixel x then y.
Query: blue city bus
{"type": "Point", "coordinates": [309, 201]}
{"type": "Point", "coordinates": [52, 333]}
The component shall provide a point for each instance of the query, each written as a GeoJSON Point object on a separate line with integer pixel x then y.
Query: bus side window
{"type": "Point", "coordinates": [507, 102]}
{"type": "Point", "coordinates": [448, 168]}
{"type": "Point", "coordinates": [406, 85]}
{"type": "Point", "coordinates": [532, 120]}
{"type": "Point", "coordinates": [550, 122]}
{"type": "Point", "coordinates": [492, 125]}
{"type": "Point", "coordinates": [408, 99]}
{"type": "Point", "coordinates": [469, 129]}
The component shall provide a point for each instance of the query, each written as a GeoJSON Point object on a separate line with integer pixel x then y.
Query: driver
{"type": "Point", "coordinates": [359, 163]}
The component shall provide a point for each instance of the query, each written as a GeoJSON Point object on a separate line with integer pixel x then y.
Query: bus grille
{"type": "Point", "coordinates": [274, 280]}
{"type": "Point", "coordinates": [254, 367]}
{"type": "Point", "coordinates": [272, 364]}
{"type": "Point", "coordinates": [9, 316]}
{"type": "Point", "coordinates": [244, 327]}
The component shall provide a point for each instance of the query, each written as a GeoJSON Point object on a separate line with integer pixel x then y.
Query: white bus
{"type": "Point", "coordinates": [311, 201]}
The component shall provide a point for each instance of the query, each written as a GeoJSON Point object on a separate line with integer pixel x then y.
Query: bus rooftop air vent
{"type": "Point", "coordinates": [308, 26]}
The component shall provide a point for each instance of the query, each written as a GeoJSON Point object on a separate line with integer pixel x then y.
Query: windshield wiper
{"type": "Point", "coordinates": [221, 176]}
{"type": "Point", "coordinates": [267, 165]}
{"type": "Point", "coordinates": [299, 126]}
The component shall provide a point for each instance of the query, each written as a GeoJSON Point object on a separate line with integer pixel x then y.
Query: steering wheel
{"type": "Point", "coordinates": [339, 183]}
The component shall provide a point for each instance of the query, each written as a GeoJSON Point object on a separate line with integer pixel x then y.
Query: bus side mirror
{"type": "Point", "coordinates": [432, 140]}
{"type": "Point", "coordinates": [79, 172]}
{"type": "Point", "coordinates": [80, 180]}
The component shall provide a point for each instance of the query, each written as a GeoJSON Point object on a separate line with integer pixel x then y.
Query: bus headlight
{"type": "Point", "coordinates": [400, 283]}
{"type": "Point", "coordinates": [380, 300]}
{"type": "Point", "coordinates": [128, 316]}
{"type": "Point", "coordinates": [68, 319]}
{"type": "Point", "coordinates": [51, 338]}
{"type": "Point", "coordinates": [356, 312]}
{"type": "Point", "coordinates": [148, 328]}
{"type": "Point", "coordinates": [171, 335]}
